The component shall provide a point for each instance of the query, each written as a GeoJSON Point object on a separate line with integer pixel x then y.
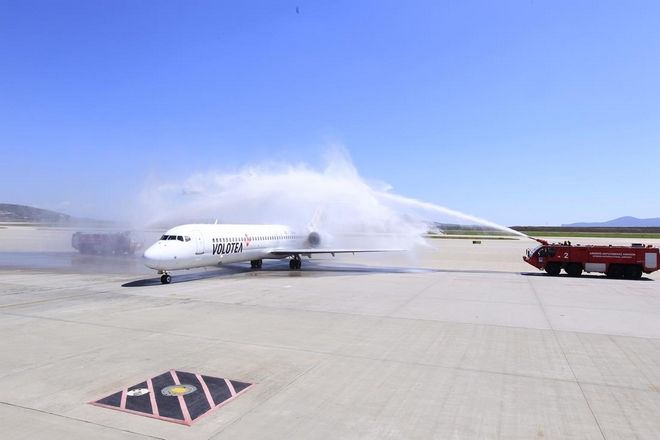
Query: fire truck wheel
{"type": "Point", "coordinates": [574, 269]}
{"type": "Point", "coordinates": [553, 269]}
{"type": "Point", "coordinates": [615, 271]}
{"type": "Point", "coordinates": [633, 271]}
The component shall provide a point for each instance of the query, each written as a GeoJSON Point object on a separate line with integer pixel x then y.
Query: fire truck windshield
{"type": "Point", "coordinates": [533, 251]}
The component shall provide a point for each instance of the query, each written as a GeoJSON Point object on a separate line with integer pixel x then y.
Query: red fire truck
{"type": "Point", "coordinates": [614, 261]}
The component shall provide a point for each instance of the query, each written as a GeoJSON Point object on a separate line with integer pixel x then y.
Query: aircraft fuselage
{"type": "Point", "coordinates": [198, 245]}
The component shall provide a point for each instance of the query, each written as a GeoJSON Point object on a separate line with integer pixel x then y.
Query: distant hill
{"type": "Point", "coordinates": [22, 213]}
{"type": "Point", "coordinates": [621, 222]}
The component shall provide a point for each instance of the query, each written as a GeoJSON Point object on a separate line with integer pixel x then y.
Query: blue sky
{"type": "Point", "coordinates": [522, 112]}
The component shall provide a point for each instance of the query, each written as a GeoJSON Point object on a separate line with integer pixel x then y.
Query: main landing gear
{"type": "Point", "coordinates": [295, 263]}
{"type": "Point", "coordinates": [165, 278]}
{"type": "Point", "coordinates": [256, 264]}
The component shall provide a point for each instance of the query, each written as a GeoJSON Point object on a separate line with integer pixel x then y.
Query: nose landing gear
{"type": "Point", "coordinates": [165, 278]}
{"type": "Point", "coordinates": [256, 264]}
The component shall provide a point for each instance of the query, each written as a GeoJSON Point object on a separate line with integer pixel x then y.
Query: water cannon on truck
{"type": "Point", "coordinates": [629, 262]}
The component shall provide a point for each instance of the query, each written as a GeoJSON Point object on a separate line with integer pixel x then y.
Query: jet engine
{"type": "Point", "coordinates": [314, 239]}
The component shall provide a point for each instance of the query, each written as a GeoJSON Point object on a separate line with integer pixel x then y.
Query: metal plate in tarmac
{"type": "Point", "coordinates": [175, 396]}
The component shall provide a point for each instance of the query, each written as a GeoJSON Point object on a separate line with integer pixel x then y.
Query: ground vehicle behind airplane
{"type": "Point", "coordinates": [104, 243]}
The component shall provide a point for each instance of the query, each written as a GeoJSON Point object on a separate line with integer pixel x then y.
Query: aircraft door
{"type": "Point", "coordinates": [199, 242]}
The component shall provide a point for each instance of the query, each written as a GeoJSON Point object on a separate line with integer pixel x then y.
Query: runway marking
{"type": "Point", "coordinates": [152, 398]}
{"type": "Point", "coordinates": [231, 388]}
{"type": "Point", "coordinates": [207, 393]}
{"type": "Point", "coordinates": [124, 396]}
{"type": "Point", "coordinates": [175, 396]}
{"type": "Point", "coordinates": [182, 403]}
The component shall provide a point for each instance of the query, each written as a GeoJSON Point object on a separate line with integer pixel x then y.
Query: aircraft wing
{"type": "Point", "coordinates": [285, 252]}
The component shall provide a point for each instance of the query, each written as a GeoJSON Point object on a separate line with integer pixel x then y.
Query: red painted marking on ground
{"type": "Point", "coordinates": [124, 394]}
{"type": "Point", "coordinates": [130, 411]}
{"type": "Point", "coordinates": [207, 393]}
{"type": "Point", "coordinates": [182, 402]}
{"type": "Point", "coordinates": [231, 388]}
{"type": "Point", "coordinates": [152, 398]}
{"type": "Point", "coordinates": [184, 408]}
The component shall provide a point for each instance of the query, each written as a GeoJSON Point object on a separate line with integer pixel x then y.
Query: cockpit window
{"type": "Point", "coordinates": [175, 237]}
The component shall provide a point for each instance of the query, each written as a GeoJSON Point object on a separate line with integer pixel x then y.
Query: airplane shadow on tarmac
{"type": "Point", "coordinates": [310, 269]}
{"type": "Point", "coordinates": [279, 270]}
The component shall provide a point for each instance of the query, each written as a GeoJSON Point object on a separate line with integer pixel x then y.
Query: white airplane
{"type": "Point", "coordinates": [200, 245]}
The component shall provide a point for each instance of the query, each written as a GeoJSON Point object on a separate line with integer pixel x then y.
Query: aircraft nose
{"type": "Point", "coordinates": [151, 257]}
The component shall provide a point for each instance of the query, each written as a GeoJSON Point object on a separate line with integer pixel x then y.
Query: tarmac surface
{"type": "Point", "coordinates": [457, 341]}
